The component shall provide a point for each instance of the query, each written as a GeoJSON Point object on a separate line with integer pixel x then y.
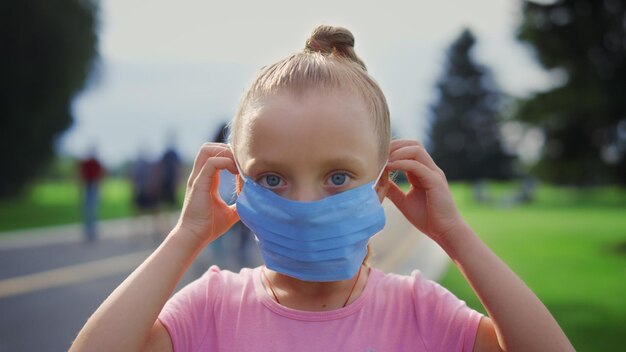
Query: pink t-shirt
{"type": "Point", "coordinates": [226, 311]}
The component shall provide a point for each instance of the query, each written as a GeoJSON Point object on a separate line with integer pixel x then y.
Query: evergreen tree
{"type": "Point", "coordinates": [584, 119]}
{"type": "Point", "coordinates": [464, 136]}
{"type": "Point", "coordinates": [47, 50]}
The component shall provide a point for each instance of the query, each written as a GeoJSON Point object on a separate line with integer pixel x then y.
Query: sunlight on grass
{"type": "Point", "coordinates": [565, 246]}
{"type": "Point", "coordinates": [55, 193]}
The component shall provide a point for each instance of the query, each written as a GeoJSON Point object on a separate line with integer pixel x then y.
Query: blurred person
{"type": "Point", "coordinates": [145, 180]}
{"type": "Point", "coordinates": [91, 172]}
{"type": "Point", "coordinates": [170, 166]}
{"type": "Point", "coordinates": [312, 149]}
{"type": "Point", "coordinates": [525, 193]}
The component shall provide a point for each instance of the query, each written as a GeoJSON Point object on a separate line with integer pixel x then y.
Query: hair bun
{"type": "Point", "coordinates": [333, 40]}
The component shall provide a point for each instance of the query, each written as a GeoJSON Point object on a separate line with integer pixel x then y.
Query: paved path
{"type": "Point", "coordinates": [51, 280]}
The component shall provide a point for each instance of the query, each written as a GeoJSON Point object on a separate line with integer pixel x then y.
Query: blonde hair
{"type": "Point", "coordinates": [328, 63]}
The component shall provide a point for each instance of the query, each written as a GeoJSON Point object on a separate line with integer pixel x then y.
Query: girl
{"type": "Point", "coordinates": [309, 143]}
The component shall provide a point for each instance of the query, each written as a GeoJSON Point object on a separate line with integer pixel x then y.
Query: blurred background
{"type": "Point", "coordinates": [104, 104]}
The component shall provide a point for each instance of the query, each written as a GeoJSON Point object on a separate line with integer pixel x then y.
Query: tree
{"type": "Point", "coordinates": [464, 135]}
{"type": "Point", "coordinates": [583, 119]}
{"type": "Point", "coordinates": [48, 49]}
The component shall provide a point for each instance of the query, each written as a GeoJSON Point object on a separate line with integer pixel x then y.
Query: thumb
{"type": "Point", "coordinates": [395, 194]}
{"type": "Point", "coordinates": [232, 214]}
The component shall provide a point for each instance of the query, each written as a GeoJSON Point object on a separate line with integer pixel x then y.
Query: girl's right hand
{"type": "Point", "coordinates": [205, 216]}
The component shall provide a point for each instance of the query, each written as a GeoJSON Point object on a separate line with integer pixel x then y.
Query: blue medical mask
{"type": "Point", "coordinates": [323, 240]}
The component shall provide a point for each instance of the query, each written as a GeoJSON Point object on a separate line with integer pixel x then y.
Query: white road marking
{"type": "Point", "coordinates": [72, 274]}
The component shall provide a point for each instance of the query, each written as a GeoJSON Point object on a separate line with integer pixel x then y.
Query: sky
{"type": "Point", "coordinates": [172, 71]}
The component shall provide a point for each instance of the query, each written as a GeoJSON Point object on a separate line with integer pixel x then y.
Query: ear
{"type": "Point", "coordinates": [383, 185]}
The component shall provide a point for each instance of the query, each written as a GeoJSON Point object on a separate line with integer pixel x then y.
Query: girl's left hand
{"type": "Point", "coordinates": [428, 205]}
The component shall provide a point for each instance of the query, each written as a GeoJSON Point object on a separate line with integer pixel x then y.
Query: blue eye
{"type": "Point", "coordinates": [271, 180]}
{"type": "Point", "coordinates": [338, 179]}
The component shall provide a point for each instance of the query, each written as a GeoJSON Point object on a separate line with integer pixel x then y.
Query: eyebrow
{"type": "Point", "coordinates": [258, 163]}
{"type": "Point", "coordinates": [348, 161]}
{"type": "Point", "coordinates": [343, 162]}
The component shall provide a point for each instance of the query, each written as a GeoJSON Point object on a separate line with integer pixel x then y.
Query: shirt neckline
{"type": "Point", "coordinates": [303, 315]}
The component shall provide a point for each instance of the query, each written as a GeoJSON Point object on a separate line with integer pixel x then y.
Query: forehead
{"type": "Point", "coordinates": [312, 125]}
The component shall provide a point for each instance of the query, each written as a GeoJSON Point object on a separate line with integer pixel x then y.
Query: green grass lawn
{"type": "Point", "coordinates": [569, 247]}
{"type": "Point", "coordinates": [58, 202]}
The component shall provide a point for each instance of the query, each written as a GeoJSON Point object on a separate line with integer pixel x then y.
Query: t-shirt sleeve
{"type": "Point", "coordinates": [446, 323]}
{"type": "Point", "coordinates": [188, 314]}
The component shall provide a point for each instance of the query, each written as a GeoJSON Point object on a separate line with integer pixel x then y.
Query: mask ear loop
{"type": "Point", "coordinates": [380, 174]}
{"type": "Point", "coordinates": [232, 149]}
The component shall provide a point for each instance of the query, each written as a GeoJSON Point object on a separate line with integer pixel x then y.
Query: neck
{"type": "Point", "coordinates": [309, 288]}
{"type": "Point", "coordinates": [315, 296]}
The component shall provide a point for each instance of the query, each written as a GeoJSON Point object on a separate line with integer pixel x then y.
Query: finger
{"type": "Point", "coordinates": [206, 151]}
{"type": "Point", "coordinates": [395, 194]}
{"type": "Point", "coordinates": [215, 182]}
{"type": "Point", "coordinates": [203, 154]}
{"type": "Point", "coordinates": [415, 152]}
{"type": "Point", "coordinates": [400, 143]}
{"type": "Point", "coordinates": [427, 178]}
{"type": "Point", "coordinates": [208, 178]}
